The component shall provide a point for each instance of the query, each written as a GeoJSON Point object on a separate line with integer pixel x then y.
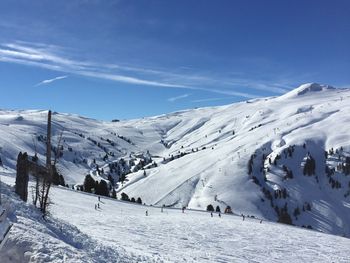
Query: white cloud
{"type": "Point", "coordinates": [172, 99]}
{"type": "Point", "coordinates": [210, 99]}
{"type": "Point", "coordinates": [54, 58]}
{"type": "Point", "coordinates": [222, 98]}
{"type": "Point", "coordinates": [41, 56]}
{"type": "Point", "coordinates": [47, 81]}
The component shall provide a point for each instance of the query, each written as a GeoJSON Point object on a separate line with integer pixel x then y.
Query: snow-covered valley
{"type": "Point", "coordinates": [283, 159]}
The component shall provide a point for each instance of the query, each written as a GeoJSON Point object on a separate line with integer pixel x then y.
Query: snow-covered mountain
{"type": "Point", "coordinates": [283, 158]}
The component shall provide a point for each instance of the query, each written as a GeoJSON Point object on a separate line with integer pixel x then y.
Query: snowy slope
{"type": "Point", "coordinates": [169, 236]}
{"type": "Point", "coordinates": [202, 155]}
{"type": "Point", "coordinates": [32, 239]}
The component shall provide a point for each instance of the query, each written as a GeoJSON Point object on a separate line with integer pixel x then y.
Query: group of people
{"type": "Point", "coordinates": [243, 217]}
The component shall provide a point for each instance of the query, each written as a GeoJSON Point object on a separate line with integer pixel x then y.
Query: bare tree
{"type": "Point", "coordinates": [47, 180]}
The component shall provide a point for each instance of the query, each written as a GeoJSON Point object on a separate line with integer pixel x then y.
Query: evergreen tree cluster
{"type": "Point", "coordinates": [280, 193]}
{"type": "Point", "coordinates": [334, 183]}
{"type": "Point", "coordinates": [283, 215]}
{"type": "Point", "coordinates": [125, 197]}
{"type": "Point", "coordinates": [92, 186]}
{"type": "Point", "coordinates": [306, 206]}
{"type": "Point", "coordinates": [288, 172]}
{"type": "Point", "coordinates": [296, 213]}
{"type": "Point", "coordinates": [346, 166]}
{"type": "Point", "coordinates": [250, 164]}
{"type": "Point", "coordinates": [210, 208]}
{"type": "Point", "coordinates": [57, 178]}
{"type": "Point", "coordinates": [267, 193]}
{"type": "Point", "coordinates": [310, 166]}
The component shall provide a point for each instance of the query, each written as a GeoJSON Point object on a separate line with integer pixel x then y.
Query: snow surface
{"type": "Point", "coordinates": [206, 153]}
{"type": "Point", "coordinates": [121, 232]}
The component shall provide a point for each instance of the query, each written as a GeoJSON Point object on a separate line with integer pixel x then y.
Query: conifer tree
{"type": "Point", "coordinates": [210, 208]}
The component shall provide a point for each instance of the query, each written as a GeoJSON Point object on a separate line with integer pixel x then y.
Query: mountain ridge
{"type": "Point", "coordinates": [204, 156]}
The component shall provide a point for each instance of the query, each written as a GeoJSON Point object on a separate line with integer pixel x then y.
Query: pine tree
{"type": "Point", "coordinates": [102, 188]}
{"type": "Point", "coordinates": [89, 184]}
{"type": "Point", "coordinates": [296, 212]}
{"type": "Point", "coordinates": [57, 178]}
{"type": "Point", "coordinates": [210, 208]}
{"type": "Point", "coordinates": [62, 181]}
{"type": "Point", "coordinates": [217, 209]}
{"type": "Point", "coordinates": [114, 194]}
{"type": "Point", "coordinates": [125, 197]}
{"type": "Point", "coordinates": [111, 180]}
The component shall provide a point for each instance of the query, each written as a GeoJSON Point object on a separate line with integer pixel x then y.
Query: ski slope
{"type": "Point", "coordinates": [121, 232]}
{"type": "Point", "coordinates": [202, 155]}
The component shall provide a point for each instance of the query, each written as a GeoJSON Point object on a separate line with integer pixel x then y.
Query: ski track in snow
{"type": "Point", "coordinates": [173, 236]}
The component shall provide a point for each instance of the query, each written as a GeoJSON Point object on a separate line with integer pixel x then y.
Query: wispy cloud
{"type": "Point", "coordinates": [172, 99]}
{"type": "Point", "coordinates": [210, 99]}
{"type": "Point", "coordinates": [44, 56]}
{"type": "Point", "coordinates": [218, 99]}
{"type": "Point", "coordinates": [55, 58]}
{"type": "Point", "coordinates": [47, 81]}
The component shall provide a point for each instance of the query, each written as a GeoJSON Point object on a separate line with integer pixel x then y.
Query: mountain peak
{"type": "Point", "coordinates": [307, 88]}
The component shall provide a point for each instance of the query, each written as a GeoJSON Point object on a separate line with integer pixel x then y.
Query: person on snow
{"type": "Point", "coordinates": [219, 214]}
{"type": "Point", "coordinates": [98, 205]}
{"type": "Point", "coordinates": [95, 207]}
{"type": "Point", "coordinates": [146, 212]}
{"type": "Point", "coordinates": [211, 214]}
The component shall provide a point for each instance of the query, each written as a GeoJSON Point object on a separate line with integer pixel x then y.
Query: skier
{"type": "Point", "coordinates": [243, 217]}
{"type": "Point", "coordinates": [219, 214]}
{"type": "Point", "coordinates": [183, 209]}
{"type": "Point", "coordinates": [260, 221]}
{"type": "Point", "coordinates": [99, 199]}
{"type": "Point", "coordinates": [98, 205]}
{"type": "Point", "coordinates": [211, 214]}
{"type": "Point", "coordinates": [146, 212]}
{"type": "Point", "coordinates": [95, 207]}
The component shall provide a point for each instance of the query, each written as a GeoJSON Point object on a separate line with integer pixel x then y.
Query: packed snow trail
{"type": "Point", "coordinates": [194, 236]}
{"type": "Point", "coordinates": [121, 232]}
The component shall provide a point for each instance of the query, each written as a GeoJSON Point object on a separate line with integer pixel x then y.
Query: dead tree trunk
{"type": "Point", "coordinates": [48, 178]}
{"type": "Point", "coordinates": [22, 176]}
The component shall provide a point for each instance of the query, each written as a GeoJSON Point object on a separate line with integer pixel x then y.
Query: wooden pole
{"type": "Point", "coordinates": [48, 142]}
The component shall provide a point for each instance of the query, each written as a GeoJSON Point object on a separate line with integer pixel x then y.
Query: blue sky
{"type": "Point", "coordinates": [130, 59]}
